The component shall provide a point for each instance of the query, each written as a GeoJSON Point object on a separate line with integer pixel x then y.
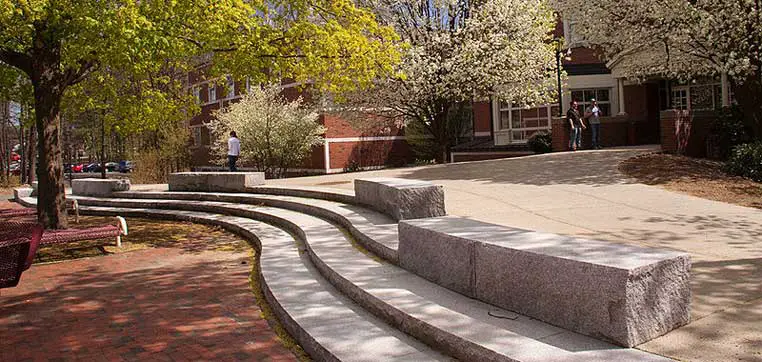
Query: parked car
{"type": "Point", "coordinates": [93, 167]}
{"type": "Point", "coordinates": [125, 166]}
{"type": "Point", "coordinates": [111, 166]}
{"type": "Point", "coordinates": [78, 167]}
{"type": "Point", "coordinates": [15, 168]}
{"type": "Point", "coordinates": [67, 168]}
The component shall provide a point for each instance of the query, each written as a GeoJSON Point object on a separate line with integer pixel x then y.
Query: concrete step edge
{"type": "Point", "coordinates": [361, 233]}
{"type": "Point", "coordinates": [313, 339]}
{"type": "Point", "coordinates": [448, 341]}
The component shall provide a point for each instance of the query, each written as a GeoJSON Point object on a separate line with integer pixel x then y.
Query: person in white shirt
{"type": "Point", "coordinates": [593, 115]}
{"type": "Point", "coordinates": [234, 150]}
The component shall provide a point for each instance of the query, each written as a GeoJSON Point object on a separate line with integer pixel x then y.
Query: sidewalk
{"type": "Point", "coordinates": [164, 304]}
{"type": "Point", "coordinates": [583, 194]}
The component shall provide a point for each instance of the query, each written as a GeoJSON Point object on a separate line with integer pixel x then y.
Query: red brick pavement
{"type": "Point", "coordinates": [152, 305]}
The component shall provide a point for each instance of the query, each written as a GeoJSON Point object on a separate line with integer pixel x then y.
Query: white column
{"type": "Point", "coordinates": [620, 95]}
{"type": "Point", "coordinates": [725, 95]}
{"type": "Point", "coordinates": [327, 156]}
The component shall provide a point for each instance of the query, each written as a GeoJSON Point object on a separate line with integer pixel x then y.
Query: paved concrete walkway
{"type": "Point", "coordinates": [164, 304]}
{"type": "Point", "coordinates": [584, 194]}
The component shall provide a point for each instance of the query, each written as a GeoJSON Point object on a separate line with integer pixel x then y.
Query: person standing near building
{"type": "Point", "coordinates": [593, 114]}
{"type": "Point", "coordinates": [234, 150]}
{"type": "Point", "coordinates": [576, 125]}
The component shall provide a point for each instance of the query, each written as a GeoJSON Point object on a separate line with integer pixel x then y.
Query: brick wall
{"type": "Point", "coordinates": [685, 133]}
{"type": "Point", "coordinates": [482, 117]}
{"type": "Point", "coordinates": [615, 131]}
{"type": "Point", "coordinates": [370, 153]}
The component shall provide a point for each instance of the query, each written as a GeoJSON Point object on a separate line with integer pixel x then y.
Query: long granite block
{"type": "Point", "coordinates": [21, 192]}
{"type": "Point", "coordinates": [215, 181]}
{"type": "Point", "coordinates": [98, 187]}
{"type": "Point", "coordinates": [400, 198]}
{"type": "Point", "coordinates": [620, 293]}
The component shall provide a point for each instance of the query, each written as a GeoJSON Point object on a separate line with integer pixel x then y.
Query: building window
{"type": "Point", "coordinates": [197, 134]}
{"type": "Point", "coordinates": [196, 93]}
{"type": "Point", "coordinates": [571, 34]}
{"type": "Point", "coordinates": [521, 122]}
{"type": "Point", "coordinates": [601, 95]}
{"type": "Point", "coordinates": [230, 87]}
{"type": "Point", "coordinates": [697, 96]}
{"type": "Point", "coordinates": [212, 92]}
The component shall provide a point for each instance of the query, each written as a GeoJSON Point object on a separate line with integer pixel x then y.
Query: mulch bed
{"type": "Point", "coordinates": [692, 176]}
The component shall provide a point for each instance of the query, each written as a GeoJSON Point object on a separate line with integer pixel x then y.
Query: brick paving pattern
{"type": "Point", "coordinates": [163, 304]}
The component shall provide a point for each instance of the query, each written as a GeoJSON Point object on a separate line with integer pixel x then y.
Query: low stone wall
{"type": "Point", "coordinates": [620, 293]}
{"type": "Point", "coordinates": [99, 187]}
{"type": "Point", "coordinates": [215, 181]}
{"type": "Point", "coordinates": [400, 198]}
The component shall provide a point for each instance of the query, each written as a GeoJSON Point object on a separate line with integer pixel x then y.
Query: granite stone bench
{"type": "Point", "coordinates": [98, 187]}
{"type": "Point", "coordinates": [400, 198]}
{"type": "Point", "coordinates": [215, 181]}
{"type": "Point", "coordinates": [620, 293]}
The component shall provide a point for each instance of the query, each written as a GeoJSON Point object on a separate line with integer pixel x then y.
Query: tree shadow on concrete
{"type": "Point", "coordinates": [578, 168]}
{"type": "Point", "coordinates": [710, 234]}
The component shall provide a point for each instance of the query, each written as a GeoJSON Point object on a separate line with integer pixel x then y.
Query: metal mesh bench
{"type": "Point", "coordinates": [71, 204]}
{"type": "Point", "coordinates": [18, 244]}
{"type": "Point", "coordinates": [52, 237]}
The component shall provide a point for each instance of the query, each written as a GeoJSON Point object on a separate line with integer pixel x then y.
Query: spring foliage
{"type": "Point", "coordinates": [275, 134]}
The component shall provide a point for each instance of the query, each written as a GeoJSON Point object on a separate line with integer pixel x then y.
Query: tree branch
{"type": "Point", "coordinates": [18, 60]}
{"type": "Point", "coordinates": [74, 76]}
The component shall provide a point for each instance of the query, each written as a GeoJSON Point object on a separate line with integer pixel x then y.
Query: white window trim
{"type": "Point", "coordinates": [499, 108]}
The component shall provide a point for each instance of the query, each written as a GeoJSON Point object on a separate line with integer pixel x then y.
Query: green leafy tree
{"type": "Point", "coordinates": [59, 44]}
{"type": "Point", "coordinates": [275, 133]}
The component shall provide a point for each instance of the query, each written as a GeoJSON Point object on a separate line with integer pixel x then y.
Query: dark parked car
{"type": "Point", "coordinates": [93, 167]}
{"type": "Point", "coordinates": [112, 166]}
{"type": "Point", "coordinates": [125, 166]}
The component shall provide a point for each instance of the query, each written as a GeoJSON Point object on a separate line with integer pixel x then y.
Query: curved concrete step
{"type": "Point", "coordinates": [457, 325]}
{"type": "Point", "coordinates": [328, 325]}
{"type": "Point", "coordinates": [375, 231]}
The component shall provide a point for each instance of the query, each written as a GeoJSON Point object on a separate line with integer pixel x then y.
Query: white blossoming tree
{"type": "Point", "coordinates": [275, 133]}
{"type": "Point", "coordinates": [680, 39]}
{"type": "Point", "coordinates": [460, 51]}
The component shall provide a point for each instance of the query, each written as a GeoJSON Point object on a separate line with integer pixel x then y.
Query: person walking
{"type": "Point", "coordinates": [576, 125]}
{"type": "Point", "coordinates": [593, 114]}
{"type": "Point", "coordinates": [234, 150]}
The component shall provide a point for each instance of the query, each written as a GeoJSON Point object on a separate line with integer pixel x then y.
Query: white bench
{"type": "Point", "coordinates": [621, 293]}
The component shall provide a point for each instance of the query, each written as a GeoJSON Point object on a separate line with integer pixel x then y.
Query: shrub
{"type": "Point", "coordinates": [276, 134]}
{"type": "Point", "coordinates": [540, 142]}
{"type": "Point", "coordinates": [746, 160]}
{"type": "Point", "coordinates": [728, 131]}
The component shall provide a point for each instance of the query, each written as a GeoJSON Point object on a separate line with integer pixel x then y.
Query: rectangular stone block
{"type": "Point", "coordinates": [21, 192]}
{"type": "Point", "coordinates": [215, 181]}
{"type": "Point", "coordinates": [98, 187]}
{"type": "Point", "coordinates": [619, 293]}
{"type": "Point", "coordinates": [400, 198]}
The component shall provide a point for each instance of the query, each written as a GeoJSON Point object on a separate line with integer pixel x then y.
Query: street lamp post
{"type": "Point", "coordinates": [558, 79]}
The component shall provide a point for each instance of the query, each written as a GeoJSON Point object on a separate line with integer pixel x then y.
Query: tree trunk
{"type": "Point", "coordinates": [749, 97]}
{"type": "Point", "coordinates": [51, 206]}
{"type": "Point", "coordinates": [49, 83]}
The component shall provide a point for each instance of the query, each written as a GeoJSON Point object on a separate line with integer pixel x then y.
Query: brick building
{"type": "Point", "coordinates": [634, 111]}
{"type": "Point", "coordinates": [344, 147]}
